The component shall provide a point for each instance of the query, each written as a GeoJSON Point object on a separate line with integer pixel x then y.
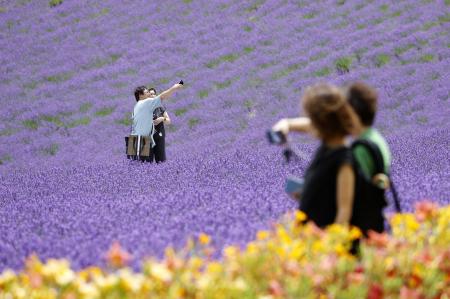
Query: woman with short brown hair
{"type": "Point", "coordinates": [329, 182]}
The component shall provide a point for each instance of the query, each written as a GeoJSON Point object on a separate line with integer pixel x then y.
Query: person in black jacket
{"type": "Point", "coordinates": [329, 181]}
{"type": "Point", "coordinates": [160, 118]}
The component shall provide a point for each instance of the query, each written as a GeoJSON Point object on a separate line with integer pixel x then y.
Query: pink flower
{"type": "Point", "coordinates": [407, 293]}
{"type": "Point", "coordinates": [275, 288]}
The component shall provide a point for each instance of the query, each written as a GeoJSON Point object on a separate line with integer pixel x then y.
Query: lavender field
{"type": "Point", "coordinates": [67, 75]}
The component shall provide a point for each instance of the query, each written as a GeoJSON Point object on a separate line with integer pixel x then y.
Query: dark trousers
{"type": "Point", "coordinates": [159, 151]}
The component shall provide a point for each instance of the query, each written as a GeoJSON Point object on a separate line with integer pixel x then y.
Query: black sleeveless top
{"type": "Point", "coordinates": [159, 112]}
{"type": "Point", "coordinates": [318, 199]}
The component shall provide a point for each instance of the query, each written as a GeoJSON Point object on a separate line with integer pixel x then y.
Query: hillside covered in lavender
{"type": "Point", "coordinates": [67, 75]}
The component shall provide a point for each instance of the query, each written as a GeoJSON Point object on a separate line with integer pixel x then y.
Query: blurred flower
{"type": "Point", "coordinates": [377, 239]}
{"type": "Point", "coordinates": [262, 235]}
{"type": "Point", "coordinates": [375, 291]}
{"type": "Point", "coordinates": [407, 293]}
{"type": "Point", "coordinates": [204, 239]}
{"type": "Point", "coordinates": [116, 256]}
{"type": "Point", "coordinates": [300, 216]}
{"type": "Point", "coordinates": [276, 289]}
{"type": "Point", "coordinates": [6, 277]}
{"type": "Point", "coordinates": [426, 210]}
{"type": "Point", "coordinates": [230, 251]}
{"type": "Point", "coordinates": [161, 272]}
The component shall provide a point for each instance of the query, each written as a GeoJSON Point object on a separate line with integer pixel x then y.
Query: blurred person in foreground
{"type": "Point", "coordinates": [329, 183]}
{"type": "Point", "coordinates": [147, 102]}
{"type": "Point", "coordinates": [363, 100]}
{"type": "Point", "coordinates": [160, 118]}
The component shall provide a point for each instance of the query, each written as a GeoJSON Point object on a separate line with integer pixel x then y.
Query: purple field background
{"type": "Point", "coordinates": [67, 74]}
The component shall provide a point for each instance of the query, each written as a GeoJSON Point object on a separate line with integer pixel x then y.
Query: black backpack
{"type": "Point", "coordinates": [370, 199]}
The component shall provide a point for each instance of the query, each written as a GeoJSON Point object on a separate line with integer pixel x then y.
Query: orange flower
{"type": "Point", "coordinates": [377, 239]}
{"type": "Point", "coordinates": [116, 256]}
{"type": "Point", "coordinates": [426, 210]}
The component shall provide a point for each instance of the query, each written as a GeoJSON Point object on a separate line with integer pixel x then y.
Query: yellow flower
{"type": "Point", "coordinates": [340, 249]}
{"type": "Point", "coordinates": [230, 251]}
{"type": "Point", "coordinates": [317, 246]}
{"type": "Point", "coordinates": [297, 252]}
{"type": "Point", "coordinates": [336, 229]}
{"type": "Point", "coordinates": [355, 233]}
{"type": "Point", "coordinates": [412, 224]}
{"type": "Point", "coordinates": [88, 290]}
{"type": "Point", "coordinates": [65, 277]}
{"type": "Point", "coordinates": [283, 235]}
{"type": "Point", "coordinates": [214, 268]}
{"type": "Point", "coordinates": [129, 281]}
{"type": "Point", "coordinates": [161, 272]}
{"type": "Point", "coordinates": [418, 270]}
{"type": "Point", "coordinates": [262, 235]}
{"type": "Point", "coordinates": [252, 248]}
{"type": "Point", "coordinates": [280, 251]}
{"type": "Point", "coordinates": [106, 283]}
{"type": "Point", "coordinates": [204, 239]}
{"type": "Point", "coordinates": [389, 263]}
{"type": "Point", "coordinates": [203, 282]}
{"type": "Point", "coordinates": [240, 284]}
{"type": "Point", "coordinates": [6, 277]}
{"type": "Point", "coordinates": [19, 293]}
{"type": "Point", "coordinates": [300, 216]}
{"type": "Point", "coordinates": [196, 262]}
{"type": "Point", "coordinates": [54, 268]}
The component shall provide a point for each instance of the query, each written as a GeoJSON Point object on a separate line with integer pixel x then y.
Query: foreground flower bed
{"type": "Point", "coordinates": [291, 260]}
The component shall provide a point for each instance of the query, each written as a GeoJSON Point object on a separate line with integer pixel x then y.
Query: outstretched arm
{"type": "Point", "coordinates": [299, 124]}
{"type": "Point", "coordinates": [167, 93]}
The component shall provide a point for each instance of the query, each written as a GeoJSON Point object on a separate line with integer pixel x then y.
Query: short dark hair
{"type": "Point", "coordinates": [363, 100]}
{"type": "Point", "coordinates": [139, 91]}
{"type": "Point", "coordinates": [152, 88]}
{"type": "Point", "coordinates": [330, 114]}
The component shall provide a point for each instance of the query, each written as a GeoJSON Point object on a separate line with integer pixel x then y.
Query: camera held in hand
{"type": "Point", "coordinates": [294, 187]}
{"type": "Point", "coordinates": [276, 137]}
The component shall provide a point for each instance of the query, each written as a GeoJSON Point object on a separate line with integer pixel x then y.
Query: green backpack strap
{"type": "Point", "coordinates": [375, 152]}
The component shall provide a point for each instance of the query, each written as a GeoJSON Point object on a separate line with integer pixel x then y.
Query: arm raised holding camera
{"type": "Point", "coordinates": [168, 93]}
{"type": "Point", "coordinates": [298, 124]}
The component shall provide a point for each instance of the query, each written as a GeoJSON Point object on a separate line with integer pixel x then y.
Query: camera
{"type": "Point", "coordinates": [276, 137]}
{"type": "Point", "coordinates": [181, 82]}
{"type": "Point", "coordinates": [294, 187]}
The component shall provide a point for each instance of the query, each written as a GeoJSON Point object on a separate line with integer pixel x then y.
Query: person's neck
{"type": "Point", "coordinates": [335, 141]}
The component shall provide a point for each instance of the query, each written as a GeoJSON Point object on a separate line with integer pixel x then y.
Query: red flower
{"type": "Point", "coordinates": [375, 291]}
